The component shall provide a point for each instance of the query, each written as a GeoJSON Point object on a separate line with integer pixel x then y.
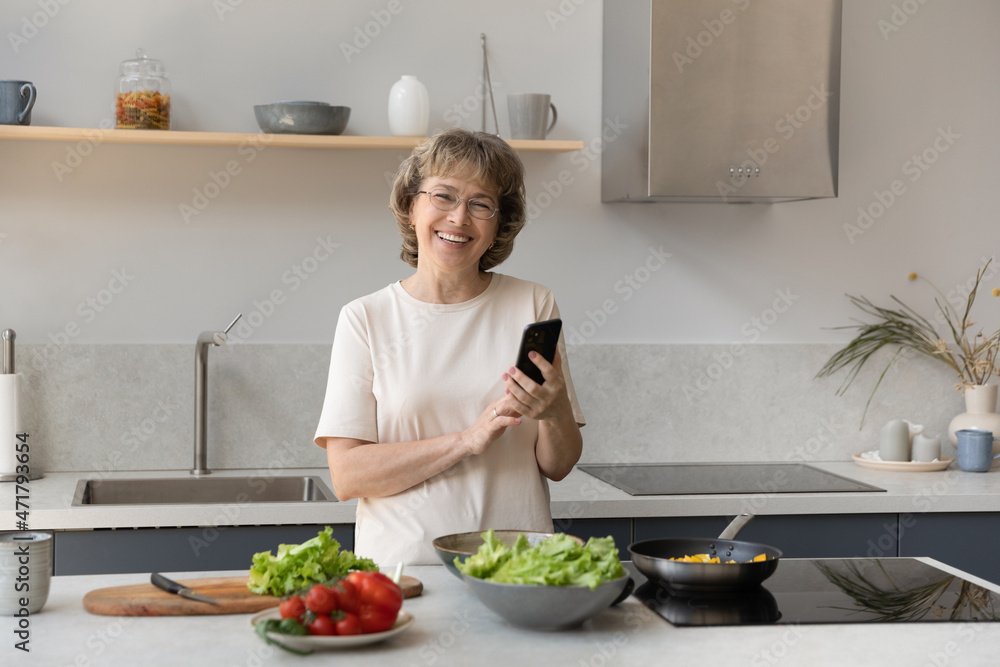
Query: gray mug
{"type": "Point", "coordinates": [16, 100]}
{"type": "Point", "coordinates": [25, 559]}
{"type": "Point", "coordinates": [529, 115]}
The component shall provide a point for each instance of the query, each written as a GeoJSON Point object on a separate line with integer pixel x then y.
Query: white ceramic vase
{"type": "Point", "coordinates": [980, 412]}
{"type": "Point", "coordinates": [409, 108]}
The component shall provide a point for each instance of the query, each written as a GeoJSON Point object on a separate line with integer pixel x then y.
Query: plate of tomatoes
{"type": "Point", "coordinates": [362, 608]}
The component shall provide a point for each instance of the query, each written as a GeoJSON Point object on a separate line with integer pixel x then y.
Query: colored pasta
{"type": "Point", "coordinates": [143, 110]}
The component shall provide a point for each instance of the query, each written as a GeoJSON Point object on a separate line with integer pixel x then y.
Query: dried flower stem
{"type": "Point", "coordinates": [974, 361]}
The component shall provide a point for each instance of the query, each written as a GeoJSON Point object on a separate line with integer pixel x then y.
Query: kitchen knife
{"type": "Point", "coordinates": [173, 587]}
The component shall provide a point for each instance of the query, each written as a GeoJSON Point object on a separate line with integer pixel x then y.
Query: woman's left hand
{"type": "Point", "coordinates": [539, 401]}
{"type": "Point", "coordinates": [559, 443]}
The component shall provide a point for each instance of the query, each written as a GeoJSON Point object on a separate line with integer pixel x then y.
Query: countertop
{"type": "Point", "coordinates": [580, 495]}
{"type": "Point", "coordinates": [452, 628]}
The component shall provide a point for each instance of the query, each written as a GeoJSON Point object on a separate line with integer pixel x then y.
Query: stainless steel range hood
{"type": "Point", "coordinates": [721, 100]}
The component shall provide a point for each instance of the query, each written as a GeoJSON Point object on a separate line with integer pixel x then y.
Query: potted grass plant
{"type": "Point", "coordinates": [898, 327]}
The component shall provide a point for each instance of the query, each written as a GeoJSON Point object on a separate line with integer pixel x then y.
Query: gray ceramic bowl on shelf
{"type": "Point", "coordinates": [301, 117]}
{"type": "Point", "coordinates": [463, 545]}
{"type": "Point", "coordinates": [546, 608]}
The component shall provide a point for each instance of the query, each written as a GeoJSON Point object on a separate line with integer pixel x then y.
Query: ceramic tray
{"type": "Point", "coordinates": [903, 466]}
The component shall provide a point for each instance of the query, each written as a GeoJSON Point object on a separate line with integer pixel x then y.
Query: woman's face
{"type": "Point", "coordinates": [452, 241]}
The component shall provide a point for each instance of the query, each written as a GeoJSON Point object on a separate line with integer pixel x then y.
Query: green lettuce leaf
{"type": "Point", "coordinates": [492, 553]}
{"type": "Point", "coordinates": [556, 561]}
{"type": "Point", "coordinates": [298, 566]}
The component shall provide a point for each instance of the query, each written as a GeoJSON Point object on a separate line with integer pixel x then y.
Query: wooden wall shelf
{"type": "Point", "coordinates": [182, 138]}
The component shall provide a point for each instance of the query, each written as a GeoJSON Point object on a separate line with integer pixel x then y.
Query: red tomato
{"type": "Point", "coordinates": [293, 607]}
{"type": "Point", "coordinates": [323, 625]}
{"type": "Point", "coordinates": [374, 588]}
{"type": "Point", "coordinates": [321, 600]}
{"type": "Point", "coordinates": [347, 595]}
{"type": "Point", "coordinates": [375, 619]}
{"type": "Point", "coordinates": [350, 624]}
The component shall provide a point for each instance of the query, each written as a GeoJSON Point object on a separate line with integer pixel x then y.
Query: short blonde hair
{"type": "Point", "coordinates": [476, 156]}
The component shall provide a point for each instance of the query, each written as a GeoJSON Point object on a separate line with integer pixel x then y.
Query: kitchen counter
{"type": "Point", "coordinates": [579, 496]}
{"type": "Point", "coordinates": [452, 628]}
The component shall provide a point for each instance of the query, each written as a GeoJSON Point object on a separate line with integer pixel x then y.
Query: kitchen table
{"type": "Point", "coordinates": [452, 628]}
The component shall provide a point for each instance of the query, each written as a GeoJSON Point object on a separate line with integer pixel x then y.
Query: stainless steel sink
{"type": "Point", "coordinates": [198, 490]}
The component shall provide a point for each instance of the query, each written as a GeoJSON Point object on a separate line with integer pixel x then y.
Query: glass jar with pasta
{"type": "Point", "coordinates": [143, 97]}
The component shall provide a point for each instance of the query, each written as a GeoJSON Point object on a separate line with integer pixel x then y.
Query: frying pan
{"type": "Point", "coordinates": [652, 558]}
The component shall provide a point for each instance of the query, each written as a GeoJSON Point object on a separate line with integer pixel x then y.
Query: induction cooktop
{"type": "Point", "coordinates": [830, 590]}
{"type": "Point", "coordinates": [669, 479]}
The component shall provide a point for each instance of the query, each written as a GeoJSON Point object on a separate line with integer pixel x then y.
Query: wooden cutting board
{"type": "Point", "coordinates": [230, 592]}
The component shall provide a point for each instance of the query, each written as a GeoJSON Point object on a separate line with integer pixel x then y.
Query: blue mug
{"type": "Point", "coordinates": [975, 449]}
{"type": "Point", "coordinates": [16, 101]}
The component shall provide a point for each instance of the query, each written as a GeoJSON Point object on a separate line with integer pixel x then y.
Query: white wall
{"type": "Point", "coordinates": [63, 235]}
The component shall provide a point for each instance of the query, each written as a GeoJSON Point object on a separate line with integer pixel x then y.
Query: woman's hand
{"type": "Point", "coordinates": [360, 468]}
{"type": "Point", "coordinates": [490, 425]}
{"type": "Point", "coordinates": [559, 442]}
{"type": "Point", "coordinates": [546, 401]}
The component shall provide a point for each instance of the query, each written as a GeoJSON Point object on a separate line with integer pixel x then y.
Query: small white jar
{"type": "Point", "coordinates": [409, 108]}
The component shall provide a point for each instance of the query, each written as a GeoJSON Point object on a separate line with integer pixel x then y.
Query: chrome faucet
{"type": "Point", "coordinates": [201, 394]}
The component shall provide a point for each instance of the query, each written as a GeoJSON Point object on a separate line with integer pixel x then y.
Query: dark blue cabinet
{"type": "Point", "coordinates": [798, 536]}
{"type": "Point", "coordinates": [620, 529]}
{"type": "Point", "coordinates": [966, 540]}
{"type": "Point", "coordinates": [177, 549]}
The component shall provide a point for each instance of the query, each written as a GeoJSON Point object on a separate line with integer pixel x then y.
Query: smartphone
{"type": "Point", "coordinates": [541, 337]}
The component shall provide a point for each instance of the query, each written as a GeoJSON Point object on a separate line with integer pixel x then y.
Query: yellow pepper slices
{"type": "Point", "coordinates": [705, 558]}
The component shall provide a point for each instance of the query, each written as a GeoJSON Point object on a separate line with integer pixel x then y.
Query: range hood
{"type": "Point", "coordinates": [733, 101]}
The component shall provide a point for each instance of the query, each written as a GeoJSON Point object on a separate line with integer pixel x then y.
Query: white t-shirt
{"type": "Point", "coordinates": [404, 370]}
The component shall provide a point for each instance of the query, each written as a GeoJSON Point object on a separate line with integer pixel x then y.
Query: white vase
{"type": "Point", "coordinates": [409, 108]}
{"type": "Point", "coordinates": [980, 412]}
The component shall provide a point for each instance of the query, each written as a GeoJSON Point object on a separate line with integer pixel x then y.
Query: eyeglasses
{"type": "Point", "coordinates": [482, 209]}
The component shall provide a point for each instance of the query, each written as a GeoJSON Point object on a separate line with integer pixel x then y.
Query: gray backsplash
{"type": "Point", "coordinates": [130, 407]}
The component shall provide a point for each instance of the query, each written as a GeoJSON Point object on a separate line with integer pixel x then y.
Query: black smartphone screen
{"type": "Point", "coordinates": [541, 337]}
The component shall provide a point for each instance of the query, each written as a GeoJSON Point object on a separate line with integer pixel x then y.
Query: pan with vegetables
{"type": "Point", "coordinates": [690, 563]}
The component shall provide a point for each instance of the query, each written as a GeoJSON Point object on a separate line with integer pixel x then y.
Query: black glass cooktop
{"type": "Point", "coordinates": [835, 590]}
{"type": "Point", "coordinates": [670, 479]}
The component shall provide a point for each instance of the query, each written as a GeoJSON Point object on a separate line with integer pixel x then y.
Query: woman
{"type": "Point", "coordinates": [425, 421]}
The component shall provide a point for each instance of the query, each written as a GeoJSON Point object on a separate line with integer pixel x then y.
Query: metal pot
{"type": "Point", "coordinates": [652, 558]}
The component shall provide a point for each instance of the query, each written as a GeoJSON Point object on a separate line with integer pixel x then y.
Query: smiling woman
{"type": "Point", "coordinates": [488, 162]}
{"type": "Point", "coordinates": [425, 421]}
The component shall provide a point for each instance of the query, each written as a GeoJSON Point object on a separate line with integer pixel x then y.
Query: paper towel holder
{"type": "Point", "coordinates": [34, 472]}
{"type": "Point", "coordinates": [8, 369]}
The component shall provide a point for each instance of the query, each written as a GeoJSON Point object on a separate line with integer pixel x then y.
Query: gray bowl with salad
{"type": "Point", "coordinates": [555, 584]}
